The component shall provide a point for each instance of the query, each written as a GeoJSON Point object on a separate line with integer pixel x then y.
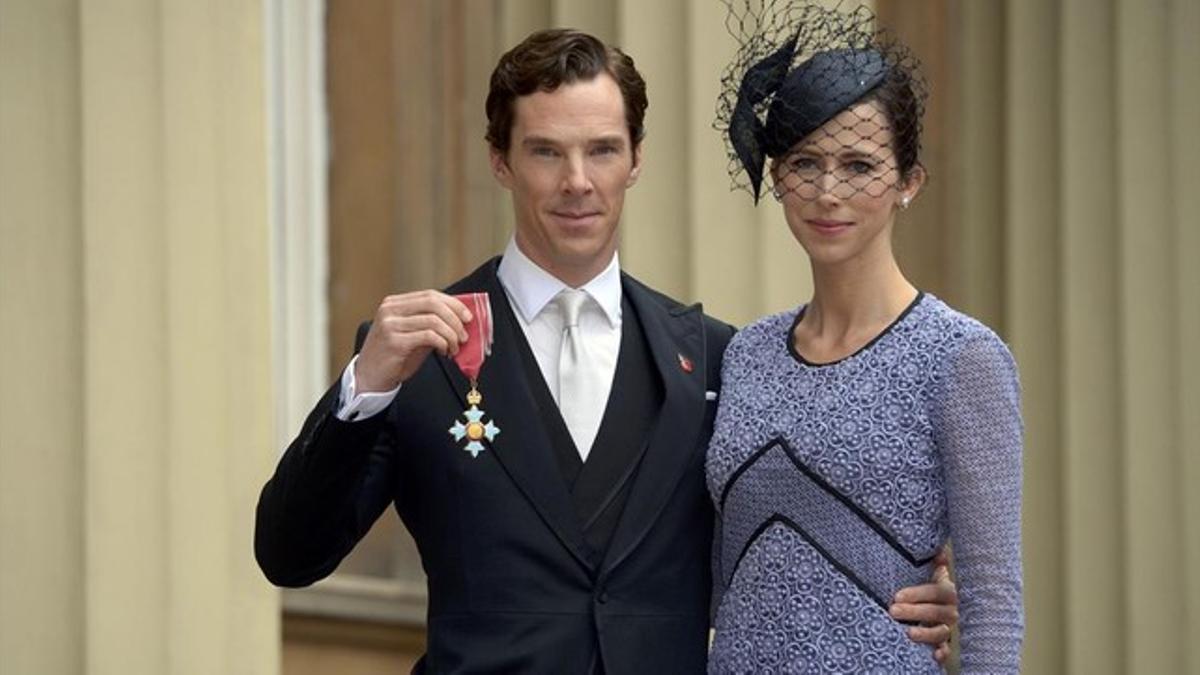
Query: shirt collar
{"type": "Point", "coordinates": [532, 288]}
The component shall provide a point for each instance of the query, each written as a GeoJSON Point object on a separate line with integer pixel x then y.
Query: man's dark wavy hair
{"type": "Point", "coordinates": [548, 59]}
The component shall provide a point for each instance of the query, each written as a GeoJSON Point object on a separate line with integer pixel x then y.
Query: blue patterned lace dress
{"type": "Point", "coordinates": [836, 484]}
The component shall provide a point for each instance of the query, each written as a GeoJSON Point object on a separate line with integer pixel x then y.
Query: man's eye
{"type": "Point", "coordinates": [605, 150]}
{"type": "Point", "coordinates": [544, 151]}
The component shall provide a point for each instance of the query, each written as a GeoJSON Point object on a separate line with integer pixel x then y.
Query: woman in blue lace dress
{"type": "Point", "coordinates": [861, 431]}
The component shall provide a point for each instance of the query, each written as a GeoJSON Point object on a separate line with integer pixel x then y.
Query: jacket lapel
{"type": "Point", "coordinates": [673, 336]}
{"type": "Point", "coordinates": [522, 448]}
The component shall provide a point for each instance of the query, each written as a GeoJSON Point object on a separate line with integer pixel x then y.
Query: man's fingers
{"type": "Point", "coordinates": [942, 653]}
{"type": "Point", "coordinates": [452, 312]}
{"type": "Point", "coordinates": [930, 635]}
{"type": "Point", "coordinates": [448, 307]}
{"type": "Point", "coordinates": [429, 339]}
{"type": "Point", "coordinates": [927, 604]}
{"type": "Point", "coordinates": [925, 613]}
{"type": "Point", "coordinates": [463, 312]}
{"type": "Point", "coordinates": [942, 593]}
{"type": "Point", "coordinates": [941, 575]}
{"type": "Point", "coordinates": [405, 326]}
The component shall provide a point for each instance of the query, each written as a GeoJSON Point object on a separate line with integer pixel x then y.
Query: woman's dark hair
{"type": "Point", "coordinates": [548, 59]}
{"type": "Point", "coordinates": [902, 100]}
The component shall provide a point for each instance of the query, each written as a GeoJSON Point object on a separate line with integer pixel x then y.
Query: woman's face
{"type": "Point", "coordinates": [840, 186]}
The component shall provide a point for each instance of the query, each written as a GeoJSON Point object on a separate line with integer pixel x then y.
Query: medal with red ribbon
{"type": "Point", "coordinates": [469, 358]}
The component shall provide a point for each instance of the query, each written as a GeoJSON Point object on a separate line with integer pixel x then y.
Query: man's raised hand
{"type": "Point", "coordinates": [406, 329]}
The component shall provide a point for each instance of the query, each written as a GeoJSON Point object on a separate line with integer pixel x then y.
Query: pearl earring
{"type": "Point", "coordinates": [904, 202]}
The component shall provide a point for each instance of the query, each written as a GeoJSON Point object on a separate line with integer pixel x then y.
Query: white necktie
{"type": "Point", "coordinates": [579, 380]}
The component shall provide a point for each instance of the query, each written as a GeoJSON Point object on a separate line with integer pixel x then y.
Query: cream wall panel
{"type": "Point", "coordinates": [463, 239]}
{"type": "Point", "coordinates": [1148, 339]}
{"type": "Point", "coordinates": [248, 641]}
{"type": "Point", "coordinates": [1185, 167]}
{"type": "Point", "coordinates": [41, 403]}
{"type": "Point", "coordinates": [598, 18]}
{"type": "Point", "coordinates": [980, 160]}
{"type": "Point", "coordinates": [519, 18]}
{"type": "Point", "coordinates": [126, 349]}
{"type": "Point", "coordinates": [655, 237]}
{"type": "Point", "coordinates": [724, 256]}
{"type": "Point", "coordinates": [484, 46]}
{"type": "Point", "coordinates": [1033, 311]}
{"type": "Point", "coordinates": [133, 194]}
{"type": "Point", "coordinates": [219, 342]}
{"type": "Point", "coordinates": [299, 207]}
{"type": "Point", "coordinates": [195, 341]}
{"type": "Point", "coordinates": [418, 131]}
{"type": "Point", "coordinates": [1093, 536]}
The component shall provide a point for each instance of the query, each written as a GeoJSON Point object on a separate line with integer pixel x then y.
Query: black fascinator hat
{"type": "Point", "coordinates": [798, 66]}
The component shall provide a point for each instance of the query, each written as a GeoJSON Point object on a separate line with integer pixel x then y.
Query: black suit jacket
{"type": "Point", "coordinates": [511, 586]}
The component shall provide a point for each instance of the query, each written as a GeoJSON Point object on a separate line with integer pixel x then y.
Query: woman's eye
{"type": "Point", "coordinates": [861, 167]}
{"type": "Point", "coordinates": [803, 163]}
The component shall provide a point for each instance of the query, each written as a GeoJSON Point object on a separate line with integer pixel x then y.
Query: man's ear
{"type": "Point", "coordinates": [500, 169]}
{"type": "Point", "coordinates": [637, 166]}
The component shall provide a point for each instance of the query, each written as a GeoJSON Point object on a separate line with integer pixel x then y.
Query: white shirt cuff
{"type": "Point", "coordinates": [353, 406]}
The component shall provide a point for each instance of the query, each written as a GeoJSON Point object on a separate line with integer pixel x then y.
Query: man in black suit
{"type": "Point", "coordinates": [576, 539]}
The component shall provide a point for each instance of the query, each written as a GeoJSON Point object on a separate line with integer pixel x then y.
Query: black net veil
{"type": "Point", "coordinates": [831, 99]}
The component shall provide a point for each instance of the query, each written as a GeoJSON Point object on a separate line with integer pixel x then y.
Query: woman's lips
{"type": "Point", "coordinates": [829, 226]}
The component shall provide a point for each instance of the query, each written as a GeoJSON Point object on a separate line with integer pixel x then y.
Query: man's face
{"type": "Point", "coordinates": [569, 163]}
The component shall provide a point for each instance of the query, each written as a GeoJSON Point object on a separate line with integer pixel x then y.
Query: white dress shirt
{"type": "Point", "coordinates": [530, 289]}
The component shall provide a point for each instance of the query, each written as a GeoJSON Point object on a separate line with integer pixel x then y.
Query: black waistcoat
{"type": "Point", "coordinates": [600, 487]}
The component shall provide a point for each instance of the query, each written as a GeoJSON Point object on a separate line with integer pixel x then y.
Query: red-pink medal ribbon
{"type": "Point", "coordinates": [470, 357]}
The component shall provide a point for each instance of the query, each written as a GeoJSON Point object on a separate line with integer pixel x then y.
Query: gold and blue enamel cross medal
{"type": "Point", "coordinates": [475, 429]}
{"type": "Point", "coordinates": [469, 358]}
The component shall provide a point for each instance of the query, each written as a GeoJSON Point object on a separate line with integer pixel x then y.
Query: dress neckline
{"type": "Point", "coordinates": [791, 344]}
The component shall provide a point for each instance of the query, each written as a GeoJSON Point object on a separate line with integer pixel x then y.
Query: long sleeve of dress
{"type": "Point", "coordinates": [718, 574]}
{"type": "Point", "coordinates": [978, 428]}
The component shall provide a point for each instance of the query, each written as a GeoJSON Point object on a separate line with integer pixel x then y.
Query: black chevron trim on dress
{"type": "Point", "coordinates": [824, 485]}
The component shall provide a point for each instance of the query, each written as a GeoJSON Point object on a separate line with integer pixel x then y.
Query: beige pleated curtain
{"type": "Point", "coordinates": [135, 365]}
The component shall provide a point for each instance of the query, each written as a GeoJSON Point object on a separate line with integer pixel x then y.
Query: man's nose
{"type": "Point", "coordinates": [576, 180]}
